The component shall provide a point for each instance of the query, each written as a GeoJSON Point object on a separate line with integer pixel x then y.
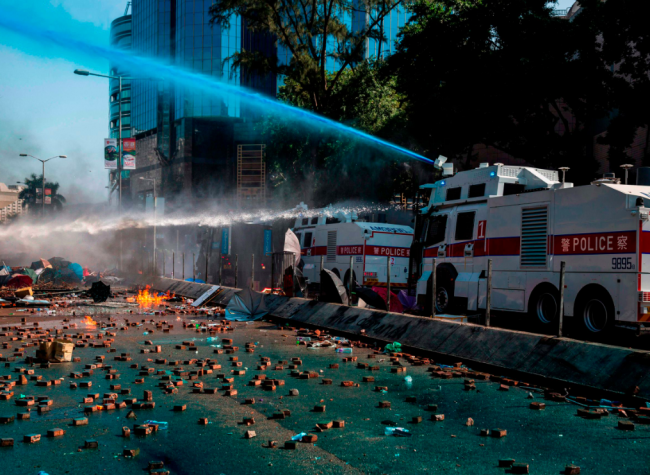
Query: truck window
{"type": "Point", "coordinates": [314, 220]}
{"type": "Point", "coordinates": [435, 229]}
{"type": "Point", "coordinates": [307, 241]}
{"type": "Point", "coordinates": [476, 191]}
{"type": "Point", "coordinates": [453, 193]}
{"type": "Point", "coordinates": [465, 226]}
{"type": "Point", "coordinates": [305, 221]}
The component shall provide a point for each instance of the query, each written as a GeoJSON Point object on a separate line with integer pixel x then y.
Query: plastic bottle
{"type": "Point", "coordinates": [397, 432]}
{"type": "Point", "coordinates": [344, 350]}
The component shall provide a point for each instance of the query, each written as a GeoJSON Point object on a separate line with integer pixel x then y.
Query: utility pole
{"type": "Point", "coordinates": [253, 271]}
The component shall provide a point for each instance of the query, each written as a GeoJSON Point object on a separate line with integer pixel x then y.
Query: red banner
{"type": "Point", "coordinates": [349, 250]}
{"type": "Point", "coordinates": [598, 243]}
{"type": "Point", "coordinates": [388, 251]}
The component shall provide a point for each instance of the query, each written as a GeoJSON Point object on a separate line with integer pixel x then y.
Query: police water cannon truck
{"type": "Point", "coordinates": [528, 221]}
{"type": "Point", "coordinates": [336, 236]}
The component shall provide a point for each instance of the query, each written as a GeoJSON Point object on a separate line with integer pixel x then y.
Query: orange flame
{"type": "Point", "coordinates": [145, 298]}
{"type": "Point", "coordinates": [89, 321]}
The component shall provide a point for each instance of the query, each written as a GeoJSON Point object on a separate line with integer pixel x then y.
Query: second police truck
{"type": "Point", "coordinates": [528, 221]}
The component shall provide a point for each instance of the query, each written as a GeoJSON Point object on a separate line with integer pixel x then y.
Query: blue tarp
{"type": "Point", "coordinates": [77, 269]}
{"type": "Point", "coordinates": [246, 305]}
{"type": "Point", "coordinates": [198, 281]}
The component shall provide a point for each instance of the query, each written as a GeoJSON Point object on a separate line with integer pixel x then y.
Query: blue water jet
{"type": "Point", "coordinates": [162, 71]}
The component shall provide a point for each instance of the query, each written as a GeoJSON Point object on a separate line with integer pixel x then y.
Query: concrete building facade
{"type": "Point", "coordinates": [10, 204]}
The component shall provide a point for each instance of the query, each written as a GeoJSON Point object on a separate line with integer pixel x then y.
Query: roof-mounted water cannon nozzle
{"type": "Point", "coordinates": [563, 170]}
{"type": "Point", "coordinates": [626, 167]}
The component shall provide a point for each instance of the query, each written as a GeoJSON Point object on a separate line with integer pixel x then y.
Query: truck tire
{"type": "Point", "coordinates": [595, 312]}
{"type": "Point", "coordinates": [445, 302]}
{"type": "Point", "coordinates": [544, 306]}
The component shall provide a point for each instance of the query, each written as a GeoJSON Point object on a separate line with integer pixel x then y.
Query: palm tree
{"type": "Point", "coordinates": [29, 194]}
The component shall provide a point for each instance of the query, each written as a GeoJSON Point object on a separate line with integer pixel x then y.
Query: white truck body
{"type": "Point", "coordinates": [371, 245]}
{"type": "Point", "coordinates": [528, 222]}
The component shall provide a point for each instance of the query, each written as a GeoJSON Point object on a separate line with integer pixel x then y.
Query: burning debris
{"type": "Point", "coordinates": [88, 321]}
{"type": "Point", "coordinates": [149, 298]}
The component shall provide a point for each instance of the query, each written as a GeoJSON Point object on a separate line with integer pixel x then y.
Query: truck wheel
{"type": "Point", "coordinates": [444, 293]}
{"type": "Point", "coordinates": [595, 312]}
{"type": "Point", "coordinates": [544, 305]}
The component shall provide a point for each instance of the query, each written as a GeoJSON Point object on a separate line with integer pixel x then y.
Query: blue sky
{"type": "Point", "coordinates": [46, 110]}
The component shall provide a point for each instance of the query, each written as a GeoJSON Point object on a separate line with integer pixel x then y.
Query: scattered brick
{"type": "Point", "coordinates": [55, 432]}
{"type": "Point", "coordinates": [31, 438]}
{"type": "Point", "coordinates": [626, 425]}
{"type": "Point", "coordinates": [519, 468]}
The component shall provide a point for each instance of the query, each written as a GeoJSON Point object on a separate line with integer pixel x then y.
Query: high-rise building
{"type": "Point", "coordinates": [120, 37]}
{"type": "Point", "coordinates": [185, 138]}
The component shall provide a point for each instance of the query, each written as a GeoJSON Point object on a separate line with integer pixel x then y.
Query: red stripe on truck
{"type": "Point", "coordinates": [619, 242]}
{"type": "Point", "coordinates": [377, 251]}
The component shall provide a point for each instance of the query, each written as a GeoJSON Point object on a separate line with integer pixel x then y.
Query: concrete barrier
{"type": "Point", "coordinates": [603, 367]}
{"type": "Point", "coordinates": [192, 290]}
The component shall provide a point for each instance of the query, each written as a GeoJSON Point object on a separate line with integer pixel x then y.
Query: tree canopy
{"type": "Point", "coordinates": [510, 74]}
{"type": "Point", "coordinates": [322, 39]}
{"type": "Point", "coordinates": [29, 194]}
{"type": "Point", "coordinates": [325, 167]}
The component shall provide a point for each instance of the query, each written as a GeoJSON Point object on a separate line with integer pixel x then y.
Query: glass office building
{"type": "Point", "coordinates": [120, 37]}
{"type": "Point", "coordinates": [187, 138]}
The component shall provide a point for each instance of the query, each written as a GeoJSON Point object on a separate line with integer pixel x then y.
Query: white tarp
{"type": "Point", "coordinates": [246, 305]}
{"type": "Point", "coordinates": [292, 244]}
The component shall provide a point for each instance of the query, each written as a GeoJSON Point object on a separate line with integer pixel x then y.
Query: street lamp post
{"type": "Point", "coordinates": [83, 72]}
{"type": "Point", "coordinates": [43, 183]}
{"type": "Point", "coordinates": [154, 218]}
